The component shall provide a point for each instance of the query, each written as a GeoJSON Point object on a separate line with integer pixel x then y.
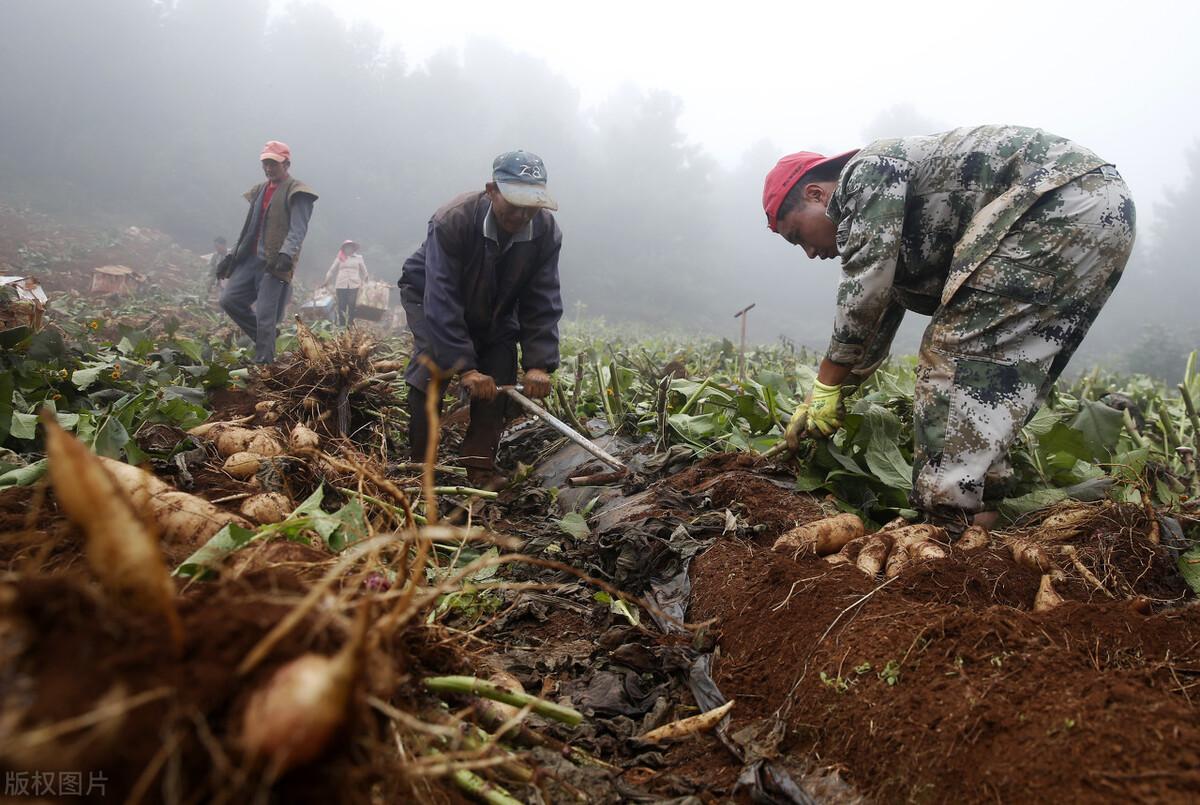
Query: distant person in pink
{"type": "Point", "coordinates": [346, 276]}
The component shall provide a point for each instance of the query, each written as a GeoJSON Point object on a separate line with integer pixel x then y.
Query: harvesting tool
{"type": "Point", "coordinates": [515, 392]}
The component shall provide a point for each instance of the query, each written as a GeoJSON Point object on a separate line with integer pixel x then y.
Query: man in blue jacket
{"type": "Point", "coordinates": [484, 281]}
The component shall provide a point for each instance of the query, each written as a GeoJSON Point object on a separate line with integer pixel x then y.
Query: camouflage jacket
{"type": "Point", "coordinates": [916, 216]}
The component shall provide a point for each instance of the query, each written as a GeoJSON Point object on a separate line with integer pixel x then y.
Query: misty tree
{"type": "Point", "coordinates": [152, 112]}
{"type": "Point", "coordinates": [902, 120]}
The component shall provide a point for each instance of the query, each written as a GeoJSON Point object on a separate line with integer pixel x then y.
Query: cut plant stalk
{"type": "Point", "coordinates": [569, 414]}
{"type": "Point", "coordinates": [604, 401]}
{"type": "Point", "coordinates": [476, 786]}
{"type": "Point", "coordinates": [1190, 407]}
{"type": "Point", "coordinates": [614, 379]}
{"type": "Point", "coordinates": [491, 719]}
{"type": "Point", "coordinates": [691, 401]}
{"type": "Point", "coordinates": [395, 511]}
{"type": "Point", "coordinates": [456, 490]}
{"type": "Point", "coordinates": [469, 685]}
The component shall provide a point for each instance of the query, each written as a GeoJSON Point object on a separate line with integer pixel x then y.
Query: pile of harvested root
{"type": "Point", "coordinates": [318, 679]}
{"type": "Point", "coordinates": [333, 386]}
{"type": "Point", "coordinates": [1072, 544]}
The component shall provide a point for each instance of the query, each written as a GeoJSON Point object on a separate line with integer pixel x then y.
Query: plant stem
{"type": "Point", "coordinates": [569, 414]}
{"type": "Point", "coordinates": [383, 504]}
{"type": "Point", "coordinates": [476, 786]}
{"type": "Point", "coordinates": [614, 378]}
{"type": "Point", "coordinates": [419, 465]}
{"type": "Point", "coordinates": [691, 401]}
{"type": "Point", "coordinates": [457, 490]}
{"type": "Point", "coordinates": [604, 401]}
{"type": "Point", "coordinates": [664, 393]}
{"type": "Point", "coordinates": [1190, 407]}
{"type": "Point", "coordinates": [489, 690]}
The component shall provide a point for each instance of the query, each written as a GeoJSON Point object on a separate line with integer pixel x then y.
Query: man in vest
{"type": "Point", "coordinates": [484, 281]}
{"type": "Point", "coordinates": [260, 268]}
{"type": "Point", "coordinates": [1010, 238]}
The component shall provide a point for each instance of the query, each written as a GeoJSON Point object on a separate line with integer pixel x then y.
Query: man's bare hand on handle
{"type": "Point", "coordinates": [536, 383]}
{"type": "Point", "coordinates": [478, 385]}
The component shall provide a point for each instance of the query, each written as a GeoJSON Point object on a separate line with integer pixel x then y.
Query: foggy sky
{"type": "Point", "coordinates": [657, 121]}
{"type": "Point", "coordinates": [1121, 78]}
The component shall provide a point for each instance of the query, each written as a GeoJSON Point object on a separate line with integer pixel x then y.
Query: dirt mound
{"type": "Point", "coordinates": [62, 256]}
{"type": "Point", "coordinates": [737, 481]}
{"type": "Point", "coordinates": [941, 686]}
{"type": "Point", "coordinates": [68, 654]}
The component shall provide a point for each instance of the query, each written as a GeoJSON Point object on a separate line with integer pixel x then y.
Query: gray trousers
{"type": "Point", "coordinates": [255, 300]}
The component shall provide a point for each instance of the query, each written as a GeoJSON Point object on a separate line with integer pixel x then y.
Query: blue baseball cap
{"type": "Point", "coordinates": [521, 179]}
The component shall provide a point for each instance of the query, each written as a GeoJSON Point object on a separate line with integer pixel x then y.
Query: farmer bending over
{"type": "Point", "coordinates": [485, 279]}
{"type": "Point", "coordinates": [1010, 238]}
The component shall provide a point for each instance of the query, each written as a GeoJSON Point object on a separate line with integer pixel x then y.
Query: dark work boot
{"type": "Point", "coordinates": [486, 478]}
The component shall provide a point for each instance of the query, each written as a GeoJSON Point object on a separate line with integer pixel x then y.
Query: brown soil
{"type": "Point", "coordinates": [941, 686]}
{"type": "Point", "coordinates": [58, 626]}
{"type": "Point", "coordinates": [230, 403]}
{"type": "Point", "coordinates": [33, 534]}
{"type": "Point", "coordinates": [734, 481]}
{"type": "Point", "coordinates": [62, 256]}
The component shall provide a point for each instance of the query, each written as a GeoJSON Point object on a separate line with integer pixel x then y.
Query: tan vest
{"type": "Point", "coordinates": [278, 219]}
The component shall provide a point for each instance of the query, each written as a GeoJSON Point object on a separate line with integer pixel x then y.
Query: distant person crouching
{"type": "Point", "coordinates": [347, 274]}
{"type": "Point", "coordinates": [260, 269]}
{"type": "Point", "coordinates": [485, 279]}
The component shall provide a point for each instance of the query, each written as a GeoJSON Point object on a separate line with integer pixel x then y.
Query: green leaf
{"type": "Point", "coordinates": [181, 412]}
{"type": "Point", "coordinates": [882, 430]}
{"type": "Point", "coordinates": [1061, 446]}
{"type": "Point", "coordinates": [210, 554]}
{"type": "Point", "coordinates": [1012, 508]}
{"type": "Point", "coordinates": [23, 426]}
{"type": "Point", "coordinates": [83, 378]}
{"type": "Point", "coordinates": [196, 397]}
{"type": "Point", "coordinates": [694, 427]}
{"type": "Point", "coordinates": [190, 348]}
{"type": "Point", "coordinates": [312, 503]}
{"type": "Point", "coordinates": [808, 481]}
{"type": "Point", "coordinates": [216, 377]}
{"type": "Point", "coordinates": [618, 605]}
{"type": "Point", "coordinates": [1189, 568]}
{"type": "Point", "coordinates": [47, 346]}
{"type": "Point", "coordinates": [1100, 425]}
{"type": "Point", "coordinates": [352, 526]}
{"type": "Point", "coordinates": [750, 409]}
{"type": "Point", "coordinates": [111, 438]}
{"type": "Point", "coordinates": [847, 463]}
{"type": "Point", "coordinates": [575, 525]}
{"type": "Point", "coordinates": [1131, 463]}
{"type": "Point", "coordinates": [6, 404]}
{"type": "Point", "coordinates": [488, 571]}
{"type": "Point", "coordinates": [1043, 421]}
{"type": "Point", "coordinates": [1164, 493]}
{"type": "Point", "coordinates": [24, 476]}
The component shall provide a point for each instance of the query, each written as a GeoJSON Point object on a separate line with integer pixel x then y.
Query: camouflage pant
{"type": "Point", "coordinates": [991, 355]}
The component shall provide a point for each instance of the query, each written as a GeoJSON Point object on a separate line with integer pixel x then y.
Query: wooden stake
{"type": "Point", "coordinates": [741, 314]}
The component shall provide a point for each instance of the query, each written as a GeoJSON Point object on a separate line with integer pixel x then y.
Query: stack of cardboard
{"type": "Point", "coordinates": [373, 301]}
{"type": "Point", "coordinates": [115, 280]}
{"type": "Point", "coordinates": [22, 303]}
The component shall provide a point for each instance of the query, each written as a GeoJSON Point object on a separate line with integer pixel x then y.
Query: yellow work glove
{"type": "Point", "coordinates": [819, 415]}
